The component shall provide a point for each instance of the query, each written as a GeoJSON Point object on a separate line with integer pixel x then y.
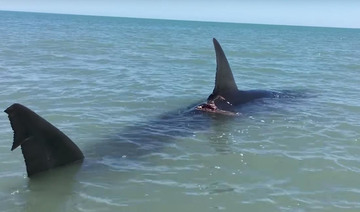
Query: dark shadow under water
{"type": "Point", "coordinates": [51, 190]}
{"type": "Point", "coordinates": [133, 143]}
{"type": "Point", "coordinates": [140, 139]}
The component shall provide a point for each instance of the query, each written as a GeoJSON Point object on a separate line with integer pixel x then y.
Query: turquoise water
{"type": "Point", "coordinates": [107, 83]}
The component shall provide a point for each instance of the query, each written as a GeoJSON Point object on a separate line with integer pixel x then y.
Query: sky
{"type": "Point", "coordinates": [327, 13]}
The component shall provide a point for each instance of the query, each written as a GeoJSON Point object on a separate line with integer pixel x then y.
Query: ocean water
{"type": "Point", "coordinates": [117, 86]}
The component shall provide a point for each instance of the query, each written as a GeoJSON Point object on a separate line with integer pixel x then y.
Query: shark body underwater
{"type": "Point", "coordinates": [45, 147]}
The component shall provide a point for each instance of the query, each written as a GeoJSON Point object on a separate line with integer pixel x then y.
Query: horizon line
{"type": "Point", "coordinates": [187, 20]}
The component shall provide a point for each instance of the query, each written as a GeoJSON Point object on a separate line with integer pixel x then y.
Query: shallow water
{"type": "Point", "coordinates": [107, 83]}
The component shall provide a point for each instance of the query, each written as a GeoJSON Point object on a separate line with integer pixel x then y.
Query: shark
{"type": "Point", "coordinates": [45, 147]}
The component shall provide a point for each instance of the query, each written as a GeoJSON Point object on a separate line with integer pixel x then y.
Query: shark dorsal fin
{"type": "Point", "coordinates": [224, 79]}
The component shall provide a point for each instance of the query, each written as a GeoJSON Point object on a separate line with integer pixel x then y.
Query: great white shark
{"type": "Point", "coordinates": [225, 84]}
{"type": "Point", "coordinates": [45, 147]}
{"type": "Point", "coordinates": [226, 87]}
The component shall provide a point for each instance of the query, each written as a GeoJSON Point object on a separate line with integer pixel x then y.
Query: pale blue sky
{"type": "Point", "coordinates": [335, 13]}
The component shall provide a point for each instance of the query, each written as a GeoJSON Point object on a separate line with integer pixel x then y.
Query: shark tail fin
{"type": "Point", "coordinates": [43, 146]}
{"type": "Point", "coordinates": [224, 79]}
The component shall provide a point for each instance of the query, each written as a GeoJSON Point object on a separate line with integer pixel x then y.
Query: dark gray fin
{"type": "Point", "coordinates": [43, 145]}
{"type": "Point", "coordinates": [224, 79]}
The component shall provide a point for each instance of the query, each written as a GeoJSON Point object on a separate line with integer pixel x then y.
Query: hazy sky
{"type": "Point", "coordinates": [337, 13]}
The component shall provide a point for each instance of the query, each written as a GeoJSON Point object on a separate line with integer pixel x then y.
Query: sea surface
{"type": "Point", "coordinates": [118, 88]}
